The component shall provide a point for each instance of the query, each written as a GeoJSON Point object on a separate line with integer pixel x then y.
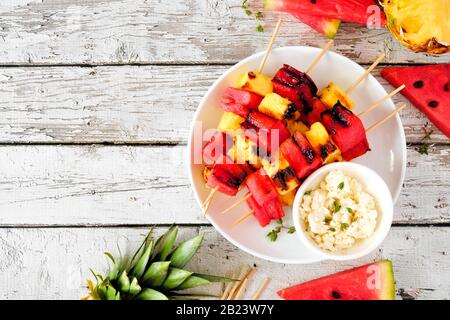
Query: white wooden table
{"type": "Point", "coordinates": [97, 96]}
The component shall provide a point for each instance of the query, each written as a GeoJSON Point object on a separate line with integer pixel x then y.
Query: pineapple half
{"type": "Point", "coordinates": [421, 25]}
{"type": "Point", "coordinates": [155, 272]}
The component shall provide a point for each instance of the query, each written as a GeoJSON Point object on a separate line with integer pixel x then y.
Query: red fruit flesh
{"type": "Point", "coordinates": [239, 101]}
{"type": "Point", "coordinates": [347, 131]}
{"type": "Point", "coordinates": [274, 209]}
{"type": "Point", "coordinates": [301, 75]}
{"type": "Point", "coordinates": [259, 212]}
{"type": "Point", "coordinates": [373, 281]}
{"type": "Point", "coordinates": [260, 120]}
{"type": "Point", "coordinates": [261, 187]}
{"type": "Point", "coordinates": [217, 146]}
{"type": "Point", "coordinates": [300, 155]}
{"type": "Point", "coordinates": [223, 186]}
{"type": "Point", "coordinates": [428, 88]}
{"type": "Point", "coordinates": [315, 114]}
{"type": "Point", "coordinates": [357, 11]}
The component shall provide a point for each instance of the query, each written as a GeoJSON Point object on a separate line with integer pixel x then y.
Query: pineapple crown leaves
{"type": "Point", "coordinates": [155, 272]}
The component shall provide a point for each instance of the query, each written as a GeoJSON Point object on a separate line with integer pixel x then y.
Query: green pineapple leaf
{"type": "Point", "coordinates": [185, 251]}
{"type": "Point", "coordinates": [192, 282]}
{"type": "Point", "coordinates": [139, 268]}
{"type": "Point", "coordinates": [175, 278]}
{"type": "Point", "coordinates": [166, 243]}
{"type": "Point", "coordinates": [151, 294]}
{"type": "Point", "coordinates": [156, 273]}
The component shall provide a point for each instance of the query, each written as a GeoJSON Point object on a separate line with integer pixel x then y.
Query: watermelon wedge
{"type": "Point", "coordinates": [373, 281]}
{"type": "Point", "coordinates": [428, 88]}
{"type": "Point", "coordinates": [326, 26]}
{"type": "Point", "coordinates": [356, 11]}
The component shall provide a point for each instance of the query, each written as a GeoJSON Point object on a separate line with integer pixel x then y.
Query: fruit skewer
{"type": "Point", "coordinates": [373, 127]}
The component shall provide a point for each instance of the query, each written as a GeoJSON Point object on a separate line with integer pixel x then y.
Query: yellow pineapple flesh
{"type": "Point", "coordinates": [421, 25]}
{"type": "Point", "coordinates": [230, 122]}
{"type": "Point", "coordinates": [320, 140]}
{"type": "Point", "coordinates": [255, 82]}
{"type": "Point", "coordinates": [277, 107]}
{"type": "Point", "coordinates": [332, 94]}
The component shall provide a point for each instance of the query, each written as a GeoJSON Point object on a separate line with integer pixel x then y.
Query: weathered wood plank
{"type": "Point", "coordinates": [128, 104]}
{"type": "Point", "coordinates": [54, 263]}
{"type": "Point", "coordinates": [154, 31]}
{"type": "Point", "coordinates": [111, 185]}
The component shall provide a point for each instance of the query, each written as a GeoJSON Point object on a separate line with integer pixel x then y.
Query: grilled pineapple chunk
{"type": "Point", "coordinates": [281, 173]}
{"type": "Point", "coordinates": [244, 151]}
{"type": "Point", "coordinates": [296, 125]}
{"type": "Point", "coordinates": [255, 82]}
{"type": "Point", "coordinates": [277, 107]}
{"type": "Point", "coordinates": [230, 122]}
{"type": "Point", "coordinates": [320, 140]}
{"type": "Point", "coordinates": [422, 26]}
{"type": "Point", "coordinates": [331, 94]}
{"type": "Point", "coordinates": [287, 199]}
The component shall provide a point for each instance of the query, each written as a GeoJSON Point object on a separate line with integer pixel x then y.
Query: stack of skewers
{"type": "Point", "coordinates": [275, 132]}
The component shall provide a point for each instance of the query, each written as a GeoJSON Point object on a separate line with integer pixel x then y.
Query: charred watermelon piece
{"type": "Point", "coordinates": [259, 212]}
{"type": "Point", "coordinates": [356, 11]}
{"type": "Point", "coordinates": [374, 281]}
{"type": "Point", "coordinates": [428, 88]}
{"type": "Point", "coordinates": [261, 129]}
{"type": "Point", "coordinates": [346, 131]}
{"type": "Point", "coordinates": [261, 187]}
{"type": "Point", "coordinates": [300, 155]}
{"type": "Point", "coordinates": [227, 176]}
{"type": "Point", "coordinates": [315, 114]}
{"type": "Point", "coordinates": [239, 101]}
{"type": "Point", "coordinates": [216, 147]}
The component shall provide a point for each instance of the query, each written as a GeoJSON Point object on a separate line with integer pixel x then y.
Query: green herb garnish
{"type": "Point", "coordinates": [341, 185]}
{"type": "Point", "coordinates": [291, 230]}
{"type": "Point", "coordinates": [327, 219]}
{"type": "Point", "coordinates": [280, 221]}
{"type": "Point", "coordinates": [259, 15]}
{"type": "Point", "coordinates": [259, 28]}
{"type": "Point", "coordinates": [350, 210]}
{"type": "Point", "coordinates": [273, 235]}
{"type": "Point", "coordinates": [344, 226]}
{"type": "Point", "coordinates": [248, 12]}
{"type": "Point", "coordinates": [336, 206]}
{"type": "Point", "coordinates": [307, 192]}
{"type": "Point", "coordinates": [423, 148]}
{"type": "Point", "coordinates": [332, 229]}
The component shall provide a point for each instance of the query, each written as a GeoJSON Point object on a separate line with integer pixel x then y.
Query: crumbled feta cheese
{"type": "Point", "coordinates": [338, 212]}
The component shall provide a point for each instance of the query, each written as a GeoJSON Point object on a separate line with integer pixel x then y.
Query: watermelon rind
{"type": "Point", "coordinates": [388, 292]}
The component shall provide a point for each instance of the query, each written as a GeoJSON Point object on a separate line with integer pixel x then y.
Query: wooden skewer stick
{"type": "Point", "coordinates": [228, 288]}
{"type": "Point", "coordinates": [244, 284]}
{"type": "Point", "coordinates": [238, 283]}
{"type": "Point", "coordinates": [365, 74]}
{"type": "Point", "coordinates": [260, 289]}
{"type": "Point", "coordinates": [207, 202]}
{"type": "Point", "coordinates": [324, 50]}
{"type": "Point", "coordinates": [245, 216]}
{"type": "Point", "coordinates": [376, 104]}
{"type": "Point", "coordinates": [269, 47]}
{"type": "Point", "coordinates": [379, 123]}
{"type": "Point", "coordinates": [237, 203]}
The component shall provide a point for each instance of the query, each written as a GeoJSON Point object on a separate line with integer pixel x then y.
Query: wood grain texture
{"type": "Point", "coordinates": [123, 185]}
{"type": "Point", "coordinates": [126, 104]}
{"type": "Point", "coordinates": [54, 263]}
{"type": "Point", "coordinates": [167, 31]}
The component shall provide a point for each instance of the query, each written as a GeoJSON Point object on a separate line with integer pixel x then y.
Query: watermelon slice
{"type": "Point", "coordinates": [373, 281]}
{"type": "Point", "coordinates": [326, 26]}
{"type": "Point", "coordinates": [357, 11]}
{"type": "Point", "coordinates": [428, 88]}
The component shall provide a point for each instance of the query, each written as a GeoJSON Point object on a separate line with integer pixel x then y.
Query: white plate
{"type": "Point", "coordinates": [387, 158]}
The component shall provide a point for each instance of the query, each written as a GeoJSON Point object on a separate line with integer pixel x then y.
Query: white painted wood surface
{"type": "Point", "coordinates": [163, 31]}
{"type": "Point", "coordinates": [56, 263]}
{"type": "Point", "coordinates": [132, 72]}
{"type": "Point", "coordinates": [129, 185]}
{"type": "Point", "coordinates": [120, 104]}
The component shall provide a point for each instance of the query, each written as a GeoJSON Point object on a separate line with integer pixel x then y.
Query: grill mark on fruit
{"type": "Point", "coordinates": [336, 294]}
{"type": "Point", "coordinates": [290, 111]}
{"type": "Point", "coordinates": [309, 154]}
{"type": "Point", "coordinates": [279, 180]}
{"type": "Point", "coordinates": [418, 84]}
{"type": "Point", "coordinates": [251, 75]}
{"type": "Point", "coordinates": [323, 152]}
{"type": "Point", "coordinates": [337, 113]}
{"type": "Point", "coordinates": [433, 104]}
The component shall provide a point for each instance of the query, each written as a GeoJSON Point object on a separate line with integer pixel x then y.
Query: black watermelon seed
{"type": "Point", "coordinates": [418, 84]}
{"type": "Point", "coordinates": [313, 1]}
{"type": "Point", "coordinates": [447, 87]}
{"type": "Point", "coordinates": [336, 295]}
{"type": "Point", "coordinates": [433, 104]}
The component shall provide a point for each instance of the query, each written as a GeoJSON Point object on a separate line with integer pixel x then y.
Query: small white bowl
{"type": "Point", "coordinates": [374, 185]}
